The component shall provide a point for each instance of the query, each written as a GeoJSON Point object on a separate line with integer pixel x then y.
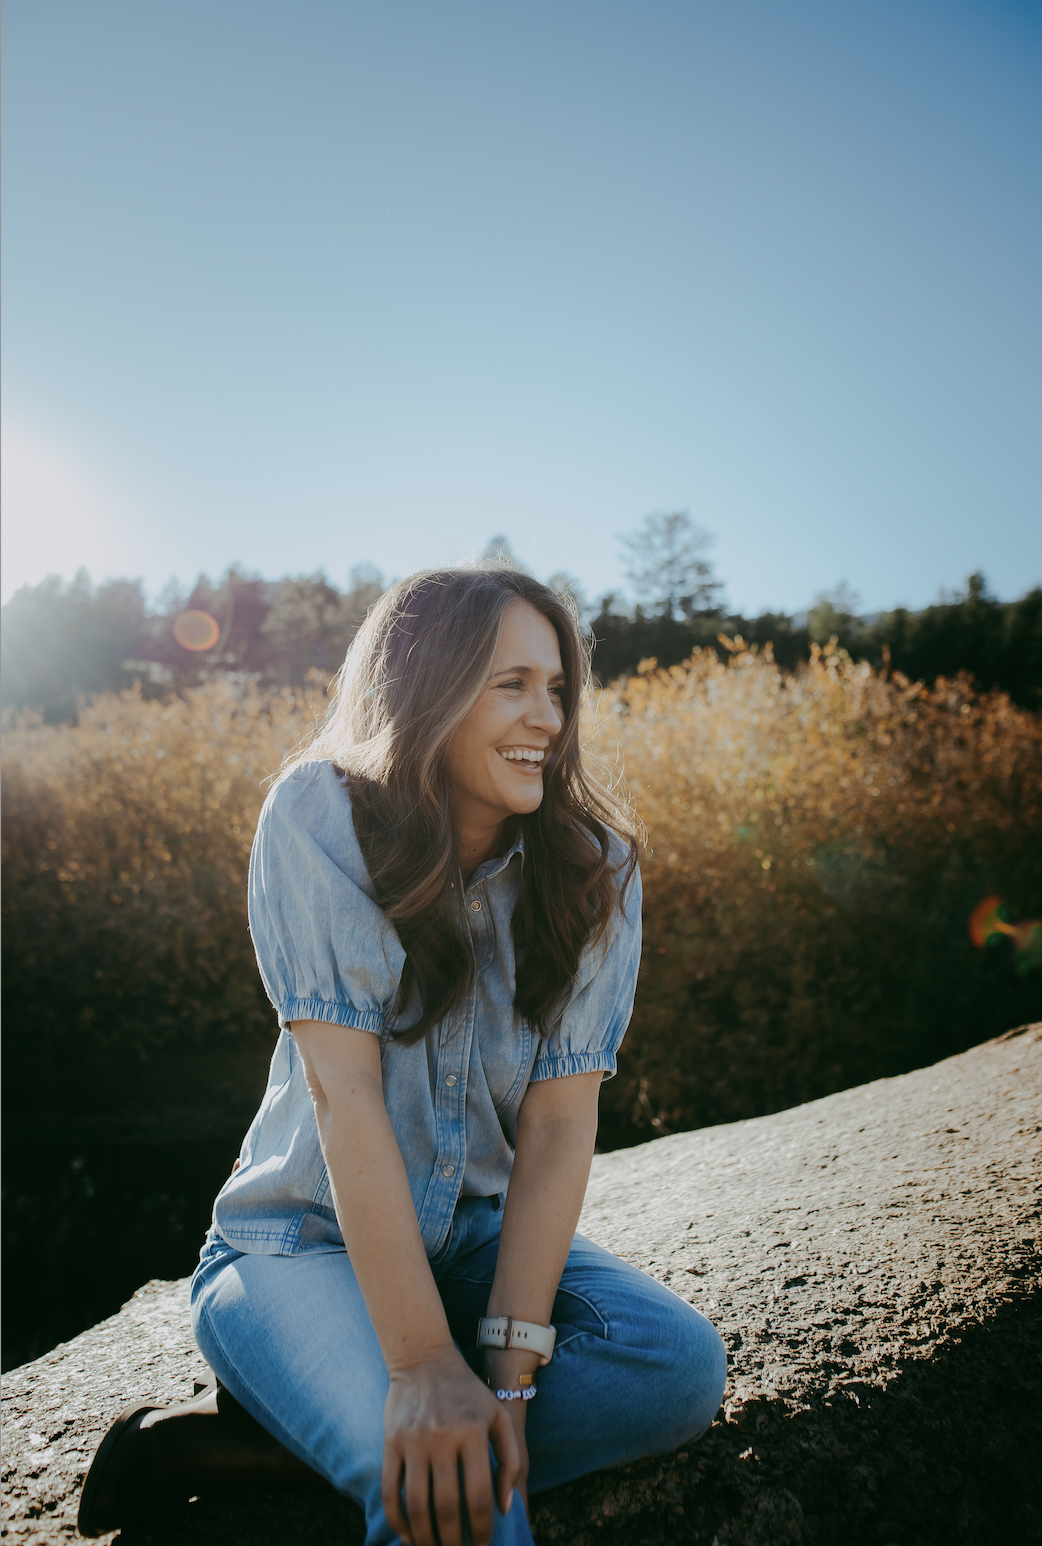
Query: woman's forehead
{"type": "Point", "coordinates": [527, 641]}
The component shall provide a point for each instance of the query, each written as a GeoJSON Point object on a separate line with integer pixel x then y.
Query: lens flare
{"type": "Point", "coordinates": [991, 918]}
{"type": "Point", "coordinates": [986, 920]}
{"type": "Point", "coordinates": [196, 630]}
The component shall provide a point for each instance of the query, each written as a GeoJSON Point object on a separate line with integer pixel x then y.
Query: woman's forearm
{"type": "Point", "coordinates": [371, 1194]}
{"type": "Point", "coordinates": [547, 1186]}
{"type": "Point", "coordinates": [438, 1420]}
{"type": "Point", "coordinates": [557, 1128]}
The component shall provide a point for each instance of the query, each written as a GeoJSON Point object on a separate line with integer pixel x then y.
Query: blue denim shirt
{"type": "Point", "coordinates": [326, 951]}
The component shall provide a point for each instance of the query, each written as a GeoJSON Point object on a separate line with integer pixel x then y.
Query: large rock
{"type": "Point", "coordinates": [872, 1261]}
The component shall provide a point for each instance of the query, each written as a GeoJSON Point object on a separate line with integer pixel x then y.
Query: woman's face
{"type": "Point", "coordinates": [497, 756]}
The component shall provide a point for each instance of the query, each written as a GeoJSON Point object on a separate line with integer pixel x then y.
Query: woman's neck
{"type": "Point", "coordinates": [476, 844]}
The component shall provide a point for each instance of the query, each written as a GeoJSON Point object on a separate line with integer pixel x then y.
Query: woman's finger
{"type": "Point", "coordinates": [445, 1498]}
{"type": "Point", "coordinates": [508, 1454]}
{"type": "Point", "coordinates": [476, 1481]}
{"type": "Point", "coordinates": [418, 1498]}
{"type": "Point", "coordinates": [391, 1490]}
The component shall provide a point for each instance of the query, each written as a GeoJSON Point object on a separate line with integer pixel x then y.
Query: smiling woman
{"type": "Point", "coordinates": [453, 670]}
{"type": "Point", "coordinates": [446, 913]}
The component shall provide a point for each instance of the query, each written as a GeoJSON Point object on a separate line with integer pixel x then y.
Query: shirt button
{"type": "Point", "coordinates": [475, 907]}
{"type": "Point", "coordinates": [448, 1170]}
{"type": "Point", "coordinates": [451, 1080]}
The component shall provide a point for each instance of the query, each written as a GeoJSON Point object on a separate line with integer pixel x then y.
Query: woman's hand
{"type": "Point", "coordinates": [439, 1420]}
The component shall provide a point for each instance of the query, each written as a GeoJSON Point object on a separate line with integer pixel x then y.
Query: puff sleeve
{"type": "Point", "coordinates": [325, 949]}
{"type": "Point", "coordinates": [588, 1036]}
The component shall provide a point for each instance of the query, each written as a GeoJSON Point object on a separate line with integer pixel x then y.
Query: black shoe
{"type": "Point", "coordinates": [191, 1449]}
{"type": "Point", "coordinates": [118, 1487]}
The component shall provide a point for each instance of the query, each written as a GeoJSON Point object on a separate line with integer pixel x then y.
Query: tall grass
{"type": "Point", "coordinates": [816, 844]}
{"type": "Point", "coordinates": [129, 971]}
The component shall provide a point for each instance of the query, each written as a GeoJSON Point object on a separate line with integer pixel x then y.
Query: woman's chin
{"type": "Point", "coordinates": [522, 802]}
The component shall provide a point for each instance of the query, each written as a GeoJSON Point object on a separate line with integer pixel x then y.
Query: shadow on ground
{"type": "Point", "coordinates": [948, 1453]}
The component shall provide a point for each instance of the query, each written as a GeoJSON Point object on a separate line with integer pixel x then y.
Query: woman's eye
{"type": "Point", "coordinates": [555, 691]}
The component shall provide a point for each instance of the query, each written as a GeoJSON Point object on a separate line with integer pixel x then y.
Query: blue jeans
{"type": "Point", "coordinates": [636, 1371]}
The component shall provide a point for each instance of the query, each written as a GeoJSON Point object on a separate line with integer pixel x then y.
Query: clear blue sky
{"type": "Point", "coordinates": [302, 283]}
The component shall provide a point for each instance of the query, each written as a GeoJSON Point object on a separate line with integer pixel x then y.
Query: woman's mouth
{"type": "Point", "coordinates": [526, 759]}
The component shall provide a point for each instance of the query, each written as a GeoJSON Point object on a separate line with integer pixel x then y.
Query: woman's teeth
{"type": "Point", "coordinates": [523, 756]}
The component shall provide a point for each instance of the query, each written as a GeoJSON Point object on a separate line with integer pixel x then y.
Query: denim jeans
{"type": "Point", "coordinates": [636, 1370]}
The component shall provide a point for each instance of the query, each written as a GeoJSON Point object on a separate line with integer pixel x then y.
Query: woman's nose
{"type": "Point", "coordinates": [546, 714]}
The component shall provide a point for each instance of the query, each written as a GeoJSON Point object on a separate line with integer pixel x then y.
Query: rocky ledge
{"type": "Point", "coordinates": [872, 1260]}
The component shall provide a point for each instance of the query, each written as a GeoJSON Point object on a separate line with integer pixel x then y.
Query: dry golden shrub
{"type": "Point", "coordinates": [816, 844]}
{"type": "Point", "coordinates": [126, 840]}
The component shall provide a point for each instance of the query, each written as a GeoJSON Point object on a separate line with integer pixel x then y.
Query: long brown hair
{"type": "Point", "coordinates": [414, 670]}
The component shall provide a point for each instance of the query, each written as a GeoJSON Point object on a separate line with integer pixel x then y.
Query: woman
{"type": "Point", "coordinates": [446, 913]}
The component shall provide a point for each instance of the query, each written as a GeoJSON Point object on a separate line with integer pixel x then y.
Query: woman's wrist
{"type": "Point", "coordinates": [426, 1356]}
{"type": "Point", "coordinates": [504, 1369]}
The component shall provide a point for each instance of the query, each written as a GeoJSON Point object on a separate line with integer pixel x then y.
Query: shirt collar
{"type": "Point", "coordinates": [492, 867]}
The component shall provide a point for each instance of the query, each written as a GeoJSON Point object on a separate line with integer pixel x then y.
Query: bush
{"type": "Point", "coordinates": [817, 843]}
{"type": "Point", "coordinates": [130, 974]}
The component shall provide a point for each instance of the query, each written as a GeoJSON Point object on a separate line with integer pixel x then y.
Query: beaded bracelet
{"type": "Point", "coordinates": [526, 1393]}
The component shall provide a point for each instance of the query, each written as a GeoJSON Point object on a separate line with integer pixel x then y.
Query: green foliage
{"type": "Point", "coordinates": [310, 624]}
{"type": "Point", "coordinates": [835, 616]}
{"type": "Point", "coordinates": [65, 643]}
{"type": "Point", "coordinates": [626, 639]}
{"type": "Point", "coordinates": [664, 564]}
{"type": "Point", "coordinates": [998, 643]}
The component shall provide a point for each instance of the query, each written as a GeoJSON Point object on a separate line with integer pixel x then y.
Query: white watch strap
{"type": "Point", "coordinates": [504, 1332]}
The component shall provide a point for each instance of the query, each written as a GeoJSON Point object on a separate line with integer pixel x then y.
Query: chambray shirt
{"type": "Point", "coordinates": [327, 951]}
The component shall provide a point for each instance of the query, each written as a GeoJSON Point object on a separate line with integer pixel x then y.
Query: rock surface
{"type": "Point", "coordinates": [872, 1260]}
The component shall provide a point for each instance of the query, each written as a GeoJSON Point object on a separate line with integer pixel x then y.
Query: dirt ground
{"type": "Point", "coordinates": [873, 1262]}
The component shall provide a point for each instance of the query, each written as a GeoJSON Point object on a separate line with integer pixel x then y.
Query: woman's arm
{"type": "Point", "coordinates": [437, 1413]}
{"type": "Point", "coordinates": [556, 1131]}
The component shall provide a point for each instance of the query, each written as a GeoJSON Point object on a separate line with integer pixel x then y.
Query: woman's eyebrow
{"type": "Point", "coordinates": [555, 676]}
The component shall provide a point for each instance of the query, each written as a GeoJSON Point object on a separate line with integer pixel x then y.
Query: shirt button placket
{"type": "Point", "coordinates": [450, 1082]}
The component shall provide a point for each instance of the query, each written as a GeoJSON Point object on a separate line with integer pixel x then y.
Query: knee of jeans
{"type": "Point", "coordinates": [694, 1375]}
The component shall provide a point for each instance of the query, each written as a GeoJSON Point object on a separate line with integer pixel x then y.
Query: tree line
{"type": "Point", "coordinates": [998, 644]}
{"type": "Point", "coordinates": [64, 642]}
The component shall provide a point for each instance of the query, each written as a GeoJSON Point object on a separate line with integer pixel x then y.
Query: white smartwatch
{"type": "Point", "coordinates": [505, 1332]}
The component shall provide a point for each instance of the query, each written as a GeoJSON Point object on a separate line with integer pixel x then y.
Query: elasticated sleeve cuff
{"type": "Point", "coordinates": [332, 1014]}
{"type": "Point", "coordinates": [574, 1063]}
